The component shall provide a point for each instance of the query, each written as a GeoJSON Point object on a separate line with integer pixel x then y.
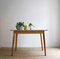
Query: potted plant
{"type": "Point", "coordinates": [30, 24]}
{"type": "Point", "coordinates": [19, 25]}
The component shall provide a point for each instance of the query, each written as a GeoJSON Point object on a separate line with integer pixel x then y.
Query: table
{"type": "Point", "coordinates": [42, 37]}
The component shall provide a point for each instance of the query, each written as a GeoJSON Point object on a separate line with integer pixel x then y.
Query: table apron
{"type": "Point", "coordinates": [28, 32]}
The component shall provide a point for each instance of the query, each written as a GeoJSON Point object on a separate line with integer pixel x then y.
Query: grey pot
{"type": "Point", "coordinates": [19, 27]}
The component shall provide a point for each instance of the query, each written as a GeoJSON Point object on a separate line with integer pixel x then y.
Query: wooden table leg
{"type": "Point", "coordinates": [41, 42]}
{"type": "Point", "coordinates": [16, 42]}
{"type": "Point", "coordinates": [44, 43]}
{"type": "Point", "coordinates": [13, 43]}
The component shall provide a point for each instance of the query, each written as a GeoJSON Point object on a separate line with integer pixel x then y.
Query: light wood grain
{"type": "Point", "coordinates": [28, 32]}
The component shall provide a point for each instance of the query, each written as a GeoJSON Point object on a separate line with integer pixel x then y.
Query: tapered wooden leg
{"type": "Point", "coordinates": [41, 42]}
{"type": "Point", "coordinates": [44, 43]}
{"type": "Point", "coordinates": [16, 43]}
{"type": "Point", "coordinates": [13, 43]}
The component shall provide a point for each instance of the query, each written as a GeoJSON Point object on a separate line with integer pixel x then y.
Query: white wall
{"type": "Point", "coordinates": [0, 34]}
{"type": "Point", "coordinates": [59, 18]}
{"type": "Point", "coordinates": [43, 14]}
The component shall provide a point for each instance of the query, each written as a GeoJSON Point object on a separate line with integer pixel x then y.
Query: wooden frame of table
{"type": "Point", "coordinates": [41, 32]}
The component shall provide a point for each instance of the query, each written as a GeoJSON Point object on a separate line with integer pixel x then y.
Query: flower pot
{"type": "Point", "coordinates": [19, 27]}
{"type": "Point", "coordinates": [30, 27]}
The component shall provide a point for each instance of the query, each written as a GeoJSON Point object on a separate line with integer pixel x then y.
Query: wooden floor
{"type": "Point", "coordinates": [30, 53]}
